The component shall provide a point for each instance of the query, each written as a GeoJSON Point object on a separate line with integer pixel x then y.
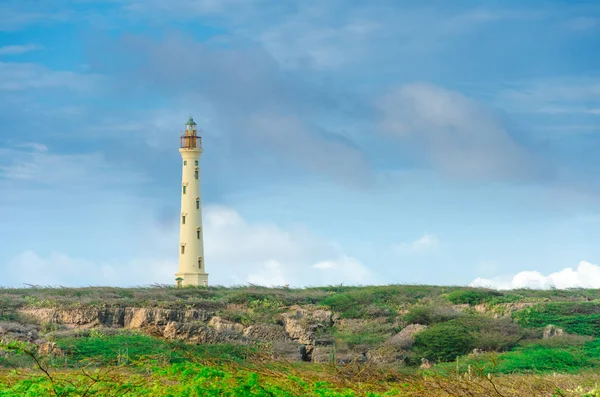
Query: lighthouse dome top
{"type": "Point", "coordinates": [191, 122]}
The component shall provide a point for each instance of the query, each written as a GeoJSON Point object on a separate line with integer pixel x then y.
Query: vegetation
{"type": "Point", "coordinates": [582, 318]}
{"type": "Point", "coordinates": [479, 341]}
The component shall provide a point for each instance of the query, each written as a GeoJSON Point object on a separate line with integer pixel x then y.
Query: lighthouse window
{"type": "Point", "coordinates": [183, 249]}
{"type": "Point", "coordinates": [184, 189]}
{"type": "Point", "coordinates": [184, 162]}
{"type": "Point", "coordinates": [199, 263]}
{"type": "Point", "coordinates": [197, 203]}
{"type": "Point", "coordinates": [183, 219]}
{"type": "Point", "coordinates": [196, 174]}
{"type": "Point", "coordinates": [196, 163]}
{"type": "Point", "coordinates": [198, 233]}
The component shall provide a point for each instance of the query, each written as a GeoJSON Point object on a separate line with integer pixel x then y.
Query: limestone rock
{"type": "Point", "coordinates": [16, 331]}
{"type": "Point", "coordinates": [406, 337]}
{"type": "Point", "coordinates": [551, 331]}
{"type": "Point", "coordinates": [190, 332]}
{"type": "Point", "coordinates": [130, 317]}
{"type": "Point", "coordinates": [266, 332]}
{"type": "Point", "coordinates": [300, 324]}
{"type": "Point", "coordinates": [225, 326]}
{"type": "Point", "coordinates": [50, 348]}
{"type": "Point", "coordinates": [425, 364]}
{"type": "Point", "coordinates": [385, 355]}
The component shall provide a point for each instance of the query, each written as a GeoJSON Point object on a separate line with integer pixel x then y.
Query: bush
{"type": "Point", "coordinates": [429, 315]}
{"type": "Point", "coordinates": [471, 296]}
{"type": "Point", "coordinates": [444, 342]}
{"type": "Point", "coordinates": [361, 333]}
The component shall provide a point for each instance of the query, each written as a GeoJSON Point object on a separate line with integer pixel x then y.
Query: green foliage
{"type": "Point", "coordinates": [471, 296]}
{"type": "Point", "coordinates": [558, 354]}
{"type": "Point", "coordinates": [582, 318]}
{"type": "Point", "coordinates": [365, 334]}
{"type": "Point", "coordinates": [127, 347]}
{"type": "Point", "coordinates": [177, 380]}
{"type": "Point", "coordinates": [444, 341]}
{"type": "Point", "coordinates": [429, 315]}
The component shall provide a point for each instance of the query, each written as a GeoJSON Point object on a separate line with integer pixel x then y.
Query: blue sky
{"type": "Point", "coordinates": [345, 142]}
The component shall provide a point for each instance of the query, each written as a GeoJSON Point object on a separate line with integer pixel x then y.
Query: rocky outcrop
{"type": "Point", "coordinates": [551, 331]}
{"type": "Point", "coordinates": [225, 326]}
{"type": "Point", "coordinates": [15, 331]}
{"type": "Point", "coordinates": [50, 349]}
{"type": "Point", "coordinates": [406, 337]}
{"type": "Point", "coordinates": [302, 324]}
{"type": "Point", "coordinates": [266, 332]}
{"type": "Point", "coordinates": [130, 317]}
{"type": "Point", "coordinates": [190, 332]}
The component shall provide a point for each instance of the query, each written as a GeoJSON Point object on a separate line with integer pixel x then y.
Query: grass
{"type": "Point", "coordinates": [349, 302]}
{"type": "Point", "coordinates": [582, 318]}
{"type": "Point", "coordinates": [128, 347]}
{"type": "Point", "coordinates": [571, 356]}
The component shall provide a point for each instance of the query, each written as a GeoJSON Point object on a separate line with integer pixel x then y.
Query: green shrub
{"type": "Point", "coordinates": [363, 333]}
{"type": "Point", "coordinates": [428, 315]}
{"type": "Point", "coordinates": [471, 296]}
{"type": "Point", "coordinates": [444, 342]}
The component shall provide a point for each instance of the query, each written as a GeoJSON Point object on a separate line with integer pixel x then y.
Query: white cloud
{"type": "Point", "coordinates": [267, 254]}
{"type": "Point", "coordinates": [586, 275]}
{"type": "Point", "coordinates": [60, 269]}
{"type": "Point", "coordinates": [424, 243]}
{"type": "Point", "coordinates": [237, 252]}
{"type": "Point", "coordinates": [343, 270]}
{"type": "Point", "coordinates": [18, 49]}
{"type": "Point", "coordinates": [459, 136]}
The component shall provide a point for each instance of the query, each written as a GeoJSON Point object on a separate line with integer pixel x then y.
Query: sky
{"type": "Point", "coordinates": [345, 142]}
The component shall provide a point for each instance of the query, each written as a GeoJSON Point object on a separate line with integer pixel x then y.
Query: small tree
{"type": "Point", "coordinates": [444, 341]}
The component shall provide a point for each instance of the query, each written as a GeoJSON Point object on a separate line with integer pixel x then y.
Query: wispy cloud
{"type": "Point", "coordinates": [424, 243]}
{"type": "Point", "coordinates": [18, 14]}
{"type": "Point", "coordinates": [459, 136]}
{"type": "Point", "coordinates": [33, 163]}
{"type": "Point", "coordinates": [21, 76]}
{"type": "Point", "coordinates": [19, 49]}
{"type": "Point", "coordinates": [259, 105]}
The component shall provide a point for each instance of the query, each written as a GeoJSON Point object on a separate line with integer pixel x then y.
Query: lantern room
{"type": "Point", "coordinates": [190, 138]}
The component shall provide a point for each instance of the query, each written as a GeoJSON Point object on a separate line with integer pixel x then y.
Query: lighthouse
{"type": "Point", "coordinates": [192, 269]}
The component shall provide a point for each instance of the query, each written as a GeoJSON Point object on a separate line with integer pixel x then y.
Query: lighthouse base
{"type": "Point", "coordinates": [191, 279]}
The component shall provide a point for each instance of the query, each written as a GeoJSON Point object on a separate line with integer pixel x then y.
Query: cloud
{"type": "Point", "coordinates": [18, 14]}
{"type": "Point", "coordinates": [237, 252]}
{"type": "Point", "coordinates": [33, 164]}
{"type": "Point", "coordinates": [59, 269]}
{"type": "Point", "coordinates": [459, 136]}
{"type": "Point", "coordinates": [258, 106]}
{"type": "Point", "coordinates": [19, 49]}
{"type": "Point", "coordinates": [424, 243]}
{"type": "Point", "coordinates": [586, 275]}
{"type": "Point", "coordinates": [21, 76]}
{"type": "Point", "coordinates": [555, 95]}
{"type": "Point", "coordinates": [267, 254]}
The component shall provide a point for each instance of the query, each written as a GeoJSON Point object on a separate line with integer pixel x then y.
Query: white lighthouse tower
{"type": "Point", "coordinates": [191, 246]}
